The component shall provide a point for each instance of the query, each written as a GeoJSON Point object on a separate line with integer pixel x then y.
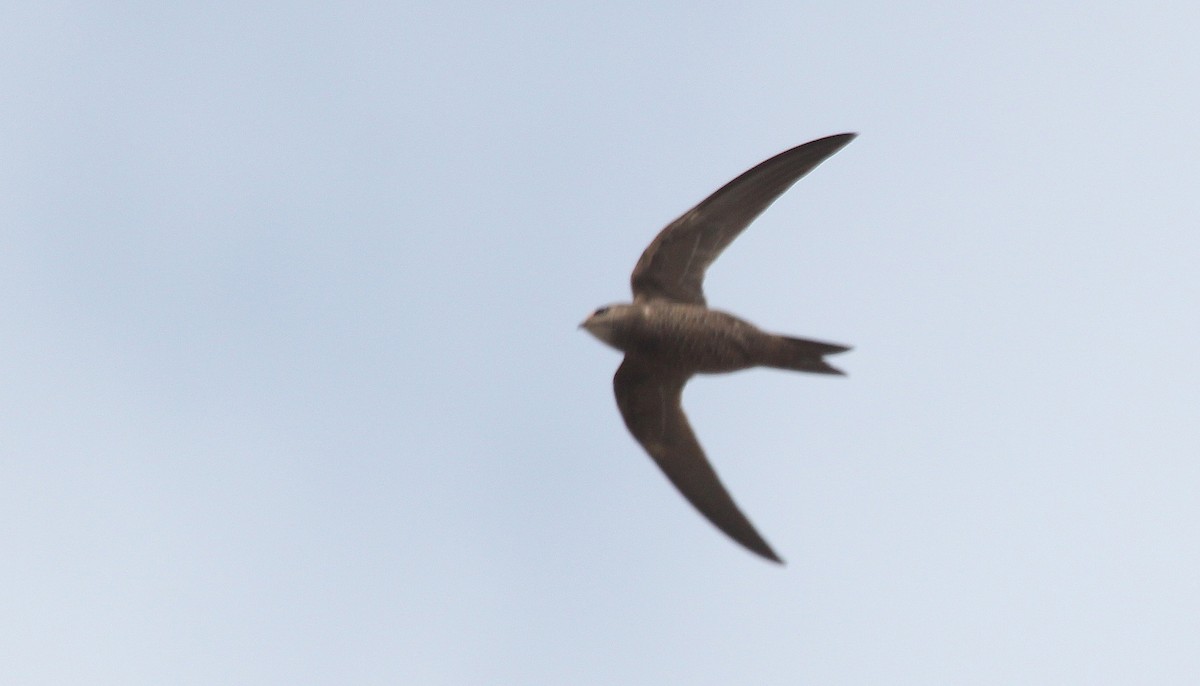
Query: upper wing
{"type": "Point", "coordinates": [672, 267]}
{"type": "Point", "coordinates": [650, 402]}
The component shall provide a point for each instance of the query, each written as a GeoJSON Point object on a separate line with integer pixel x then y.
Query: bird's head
{"type": "Point", "coordinates": [605, 322]}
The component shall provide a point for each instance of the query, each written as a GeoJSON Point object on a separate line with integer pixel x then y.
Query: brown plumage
{"type": "Point", "coordinates": [668, 333]}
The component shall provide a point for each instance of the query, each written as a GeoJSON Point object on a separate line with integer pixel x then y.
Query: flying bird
{"type": "Point", "coordinates": [668, 333]}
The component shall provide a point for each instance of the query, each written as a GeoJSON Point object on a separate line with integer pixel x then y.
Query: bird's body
{"type": "Point", "coordinates": [691, 336]}
{"type": "Point", "coordinates": [668, 333]}
{"type": "Point", "coordinates": [695, 338]}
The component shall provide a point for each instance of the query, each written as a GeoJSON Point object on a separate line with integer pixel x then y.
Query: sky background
{"type": "Point", "coordinates": [292, 390]}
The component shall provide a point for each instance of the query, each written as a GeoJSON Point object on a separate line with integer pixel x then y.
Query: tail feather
{"type": "Point", "coordinates": [802, 355]}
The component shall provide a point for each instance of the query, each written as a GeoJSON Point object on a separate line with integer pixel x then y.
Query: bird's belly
{"type": "Point", "coordinates": [701, 346]}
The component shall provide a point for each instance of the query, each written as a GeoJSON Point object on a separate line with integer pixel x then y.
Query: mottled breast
{"type": "Point", "coordinates": [696, 338]}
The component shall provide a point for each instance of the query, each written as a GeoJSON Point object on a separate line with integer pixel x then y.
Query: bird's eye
{"type": "Point", "coordinates": [599, 311]}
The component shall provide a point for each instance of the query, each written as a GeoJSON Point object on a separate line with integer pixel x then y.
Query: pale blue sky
{"type": "Point", "coordinates": [291, 388]}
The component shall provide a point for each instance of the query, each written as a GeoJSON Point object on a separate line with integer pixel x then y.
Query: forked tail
{"type": "Point", "coordinates": [802, 355]}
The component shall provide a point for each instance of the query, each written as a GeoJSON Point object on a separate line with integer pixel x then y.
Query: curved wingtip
{"type": "Point", "coordinates": [733, 524]}
{"type": "Point", "coordinates": [749, 539]}
{"type": "Point", "coordinates": [770, 555]}
{"type": "Point", "coordinates": [840, 139]}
